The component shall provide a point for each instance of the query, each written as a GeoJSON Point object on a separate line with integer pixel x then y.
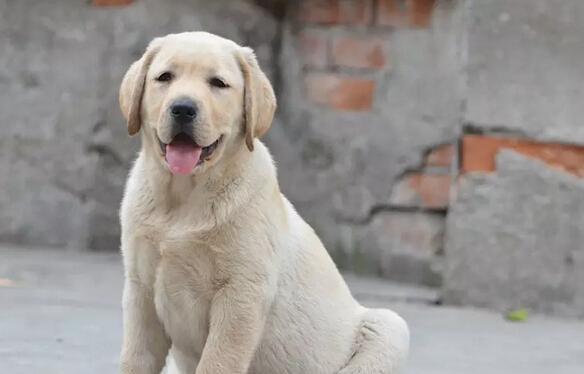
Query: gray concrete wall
{"type": "Point", "coordinates": [65, 153]}
{"type": "Point", "coordinates": [524, 67]}
{"type": "Point", "coordinates": [514, 237]}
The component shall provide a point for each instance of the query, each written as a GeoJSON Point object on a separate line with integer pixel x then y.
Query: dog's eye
{"type": "Point", "coordinates": [218, 82]}
{"type": "Point", "coordinates": [165, 77]}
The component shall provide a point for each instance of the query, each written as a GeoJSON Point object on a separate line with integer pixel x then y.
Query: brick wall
{"type": "Point", "coordinates": [479, 153]}
{"type": "Point", "coordinates": [344, 46]}
{"type": "Point", "coordinates": [345, 49]}
{"type": "Point", "coordinates": [111, 2]}
{"type": "Point", "coordinates": [427, 187]}
{"type": "Point", "coordinates": [350, 54]}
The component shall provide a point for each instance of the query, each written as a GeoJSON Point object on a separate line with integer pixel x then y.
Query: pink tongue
{"type": "Point", "coordinates": [182, 155]}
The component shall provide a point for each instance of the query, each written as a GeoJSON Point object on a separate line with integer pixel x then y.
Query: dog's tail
{"type": "Point", "coordinates": [382, 344]}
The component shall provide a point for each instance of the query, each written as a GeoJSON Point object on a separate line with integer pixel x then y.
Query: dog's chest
{"type": "Point", "coordinates": [184, 289]}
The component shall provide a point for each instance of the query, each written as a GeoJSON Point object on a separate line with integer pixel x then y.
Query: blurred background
{"type": "Point", "coordinates": [438, 144]}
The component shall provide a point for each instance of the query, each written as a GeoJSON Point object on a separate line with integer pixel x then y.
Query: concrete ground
{"type": "Point", "coordinates": [60, 313]}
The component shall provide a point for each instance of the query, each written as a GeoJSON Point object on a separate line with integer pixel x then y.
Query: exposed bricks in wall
{"type": "Point", "coordinates": [479, 153]}
{"type": "Point", "coordinates": [344, 46]}
{"type": "Point", "coordinates": [421, 12]}
{"type": "Point", "coordinates": [354, 12]}
{"type": "Point", "coordinates": [405, 13]}
{"type": "Point", "coordinates": [319, 11]}
{"type": "Point", "coordinates": [340, 92]}
{"type": "Point", "coordinates": [359, 52]}
{"type": "Point", "coordinates": [350, 38]}
{"type": "Point", "coordinates": [441, 156]}
{"type": "Point", "coordinates": [422, 190]}
{"type": "Point", "coordinates": [313, 46]}
{"type": "Point", "coordinates": [391, 13]}
{"type": "Point", "coordinates": [428, 187]}
{"type": "Point", "coordinates": [111, 2]}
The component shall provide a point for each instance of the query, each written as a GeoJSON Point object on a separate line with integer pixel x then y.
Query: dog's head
{"type": "Point", "coordinates": [196, 95]}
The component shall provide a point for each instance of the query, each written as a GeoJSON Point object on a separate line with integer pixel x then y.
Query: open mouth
{"type": "Point", "coordinates": [183, 154]}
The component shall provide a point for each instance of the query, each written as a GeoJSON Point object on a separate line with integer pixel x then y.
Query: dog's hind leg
{"type": "Point", "coordinates": [381, 346]}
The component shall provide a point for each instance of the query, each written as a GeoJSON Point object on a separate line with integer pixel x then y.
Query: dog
{"type": "Point", "coordinates": [221, 273]}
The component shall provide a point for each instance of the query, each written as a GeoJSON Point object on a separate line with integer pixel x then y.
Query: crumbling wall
{"type": "Point", "coordinates": [370, 101]}
{"type": "Point", "coordinates": [514, 231]}
{"type": "Point", "coordinates": [515, 239]}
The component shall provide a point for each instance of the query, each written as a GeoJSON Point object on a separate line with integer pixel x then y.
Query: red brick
{"type": "Point", "coordinates": [111, 2]}
{"type": "Point", "coordinates": [418, 189]}
{"type": "Point", "coordinates": [392, 13]}
{"type": "Point", "coordinates": [359, 52]}
{"type": "Point", "coordinates": [6, 282]}
{"type": "Point", "coordinates": [355, 12]}
{"type": "Point", "coordinates": [479, 153]}
{"type": "Point", "coordinates": [421, 12]}
{"type": "Point", "coordinates": [441, 156]}
{"type": "Point", "coordinates": [319, 11]}
{"type": "Point", "coordinates": [313, 49]}
{"type": "Point", "coordinates": [405, 13]}
{"type": "Point", "coordinates": [340, 92]}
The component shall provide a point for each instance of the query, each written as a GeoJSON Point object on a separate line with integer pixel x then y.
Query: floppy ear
{"type": "Point", "coordinates": [259, 98]}
{"type": "Point", "coordinates": [132, 88]}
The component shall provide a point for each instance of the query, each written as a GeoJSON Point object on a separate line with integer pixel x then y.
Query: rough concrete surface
{"type": "Point", "coordinates": [404, 246]}
{"type": "Point", "coordinates": [515, 239]}
{"type": "Point", "coordinates": [64, 151]}
{"type": "Point", "coordinates": [524, 70]}
{"type": "Point", "coordinates": [62, 315]}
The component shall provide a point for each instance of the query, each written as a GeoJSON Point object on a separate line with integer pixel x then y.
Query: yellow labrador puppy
{"type": "Point", "coordinates": [220, 269]}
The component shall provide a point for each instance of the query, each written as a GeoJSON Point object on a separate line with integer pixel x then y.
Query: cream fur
{"type": "Point", "coordinates": [221, 271]}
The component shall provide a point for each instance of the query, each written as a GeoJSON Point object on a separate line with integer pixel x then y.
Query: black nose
{"type": "Point", "coordinates": [184, 110]}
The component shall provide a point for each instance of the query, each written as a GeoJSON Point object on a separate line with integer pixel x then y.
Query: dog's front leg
{"type": "Point", "coordinates": [145, 344]}
{"type": "Point", "coordinates": [238, 315]}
